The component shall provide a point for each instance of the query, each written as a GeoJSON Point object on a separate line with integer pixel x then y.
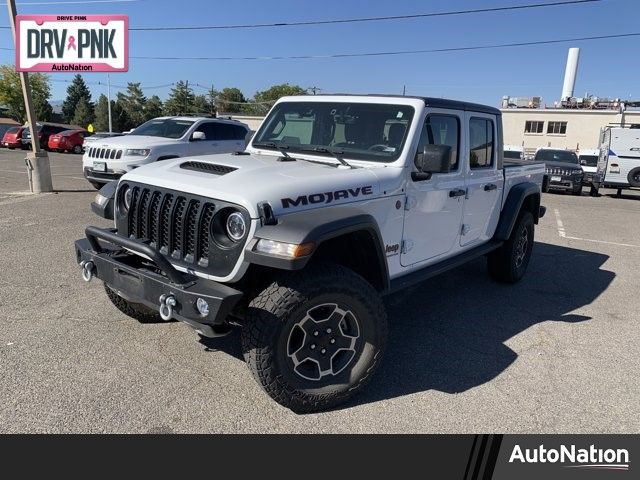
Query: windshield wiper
{"type": "Point", "coordinates": [336, 154]}
{"type": "Point", "coordinates": [278, 146]}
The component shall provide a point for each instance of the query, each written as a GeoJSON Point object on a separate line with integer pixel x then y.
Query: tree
{"type": "Point", "coordinates": [11, 94]}
{"type": "Point", "coordinates": [76, 91]}
{"type": "Point", "coordinates": [133, 102]}
{"type": "Point", "coordinates": [84, 113]}
{"type": "Point", "coordinates": [266, 98]}
{"type": "Point", "coordinates": [153, 108]}
{"type": "Point", "coordinates": [230, 100]}
{"type": "Point", "coordinates": [181, 99]}
{"type": "Point", "coordinates": [119, 118]}
{"type": "Point", "coordinates": [101, 110]}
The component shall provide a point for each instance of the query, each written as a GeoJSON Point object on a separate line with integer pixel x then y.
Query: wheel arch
{"type": "Point", "coordinates": [524, 196]}
{"type": "Point", "coordinates": [346, 236]}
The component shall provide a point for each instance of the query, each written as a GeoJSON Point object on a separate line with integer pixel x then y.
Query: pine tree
{"type": "Point", "coordinates": [84, 114]}
{"type": "Point", "coordinates": [101, 123]}
{"type": "Point", "coordinates": [181, 99]}
{"type": "Point", "coordinates": [119, 118]}
{"type": "Point", "coordinates": [153, 108]}
{"type": "Point", "coordinates": [133, 102]}
{"type": "Point", "coordinates": [76, 91]}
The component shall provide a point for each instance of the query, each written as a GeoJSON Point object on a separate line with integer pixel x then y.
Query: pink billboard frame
{"type": "Point", "coordinates": [97, 67]}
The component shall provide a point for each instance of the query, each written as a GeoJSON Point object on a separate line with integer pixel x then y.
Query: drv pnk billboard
{"type": "Point", "coordinates": [72, 43]}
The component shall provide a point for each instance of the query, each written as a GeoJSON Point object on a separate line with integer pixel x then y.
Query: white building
{"type": "Point", "coordinates": [573, 129]}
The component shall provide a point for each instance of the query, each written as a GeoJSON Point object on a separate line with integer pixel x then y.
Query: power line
{"type": "Point", "coordinates": [363, 19]}
{"type": "Point", "coordinates": [401, 52]}
{"type": "Point", "coordinates": [396, 52]}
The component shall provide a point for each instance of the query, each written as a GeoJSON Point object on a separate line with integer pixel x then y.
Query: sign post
{"type": "Point", "coordinates": [37, 160]}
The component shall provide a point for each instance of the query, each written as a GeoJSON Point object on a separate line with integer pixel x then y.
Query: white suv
{"type": "Point", "coordinates": [161, 139]}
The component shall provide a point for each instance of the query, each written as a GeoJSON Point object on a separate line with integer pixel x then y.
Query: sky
{"type": "Point", "coordinates": [607, 68]}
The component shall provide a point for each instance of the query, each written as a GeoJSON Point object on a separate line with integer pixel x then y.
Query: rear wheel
{"type": "Point", "coordinates": [134, 310]}
{"type": "Point", "coordinates": [314, 338]}
{"type": "Point", "coordinates": [634, 177]}
{"type": "Point", "coordinates": [509, 263]}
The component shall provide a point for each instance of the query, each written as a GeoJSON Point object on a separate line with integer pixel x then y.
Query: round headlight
{"type": "Point", "coordinates": [236, 226]}
{"type": "Point", "coordinates": [126, 198]}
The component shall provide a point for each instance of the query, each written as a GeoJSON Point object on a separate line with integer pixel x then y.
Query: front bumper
{"type": "Point", "coordinates": [101, 177]}
{"type": "Point", "coordinates": [139, 280]}
{"type": "Point", "coordinates": [565, 183]}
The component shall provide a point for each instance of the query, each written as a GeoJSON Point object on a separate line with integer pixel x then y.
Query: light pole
{"type": "Point", "coordinates": [37, 160]}
{"type": "Point", "coordinates": [109, 101]}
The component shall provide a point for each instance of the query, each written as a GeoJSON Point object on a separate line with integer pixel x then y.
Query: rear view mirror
{"type": "Point", "coordinates": [198, 136]}
{"type": "Point", "coordinates": [433, 159]}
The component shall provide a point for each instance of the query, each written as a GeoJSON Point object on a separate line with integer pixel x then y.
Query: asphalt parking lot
{"type": "Point", "coordinates": [556, 353]}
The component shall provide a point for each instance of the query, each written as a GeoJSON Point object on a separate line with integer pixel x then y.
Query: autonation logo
{"type": "Point", "coordinates": [573, 457]}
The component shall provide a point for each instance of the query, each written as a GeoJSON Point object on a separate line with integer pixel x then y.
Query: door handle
{"type": "Point", "coordinates": [458, 192]}
{"type": "Point", "coordinates": [490, 186]}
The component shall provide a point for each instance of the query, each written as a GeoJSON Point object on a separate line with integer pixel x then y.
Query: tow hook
{"type": "Point", "coordinates": [87, 270]}
{"type": "Point", "coordinates": [167, 304]}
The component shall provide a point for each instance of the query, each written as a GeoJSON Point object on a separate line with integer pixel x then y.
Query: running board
{"type": "Point", "coordinates": [425, 273]}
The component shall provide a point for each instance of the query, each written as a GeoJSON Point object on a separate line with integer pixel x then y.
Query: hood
{"type": "Point", "coordinates": [247, 180]}
{"type": "Point", "coordinates": [567, 165]}
{"type": "Point", "coordinates": [133, 141]}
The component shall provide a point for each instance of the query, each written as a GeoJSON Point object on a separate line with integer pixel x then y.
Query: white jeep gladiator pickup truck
{"type": "Point", "coordinates": [162, 138]}
{"type": "Point", "coordinates": [337, 201]}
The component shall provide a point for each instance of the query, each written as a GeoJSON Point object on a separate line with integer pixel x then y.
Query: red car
{"type": "Point", "coordinates": [68, 141]}
{"type": "Point", "coordinates": [13, 138]}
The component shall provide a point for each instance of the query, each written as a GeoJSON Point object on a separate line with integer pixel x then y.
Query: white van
{"type": "Point", "coordinates": [620, 157]}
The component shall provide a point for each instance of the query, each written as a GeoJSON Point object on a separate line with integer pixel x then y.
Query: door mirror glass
{"type": "Point", "coordinates": [198, 136]}
{"type": "Point", "coordinates": [434, 159]}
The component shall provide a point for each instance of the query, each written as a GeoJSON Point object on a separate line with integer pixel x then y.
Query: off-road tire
{"type": "Point", "coordinates": [577, 191]}
{"type": "Point", "coordinates": [274, 313]}
{"type": "Point", "coordinates": [503, 263]}
{"type": "Point", "coordinates": [134, 310]}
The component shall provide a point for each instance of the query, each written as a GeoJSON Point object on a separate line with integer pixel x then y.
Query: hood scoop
{"type": "Point", "coordinates": [205, 167]}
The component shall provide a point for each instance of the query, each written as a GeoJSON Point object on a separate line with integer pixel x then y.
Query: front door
{"type": "Point", "coordinates": [484, 181]}
{"type": "Point", "coordinates": [434, 207]}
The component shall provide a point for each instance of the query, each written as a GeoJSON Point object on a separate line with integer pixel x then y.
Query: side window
{"type": "Point", "coordinates": [209, 130]}
{"type": "Point", "coordinates": [481, 143]}
{"type": "Point", "coordinates": [442, 130]}
{"type": "Point", "coordinates": [239, 133]}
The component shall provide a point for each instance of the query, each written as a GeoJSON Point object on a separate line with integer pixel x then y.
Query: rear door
{"type": "Point", "coordinates": [210, 144]}
{"type": "Point", "coordinates": [484, 181]}
{"type": "Point", "coordinates": [231, 137]}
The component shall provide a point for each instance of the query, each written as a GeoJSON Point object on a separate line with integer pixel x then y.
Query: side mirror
{"type": "Point", "coordinates": [433, 159]}
{"type": "Point", "coordinates": [583, 162]}
{"type": "Point", "coordinates": [195, 136]}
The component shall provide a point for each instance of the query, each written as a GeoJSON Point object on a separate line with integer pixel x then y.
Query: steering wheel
{"type": "Point", "coordinates": [380, 147]}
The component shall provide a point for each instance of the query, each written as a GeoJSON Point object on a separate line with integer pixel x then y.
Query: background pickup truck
{"type": "Point", "coordinates": [337, 201]}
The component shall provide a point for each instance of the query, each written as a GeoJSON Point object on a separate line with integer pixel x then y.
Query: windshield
{"type": "Point", "coordinates": [590, 160]}
{"type": "Point", "coordinates": [363, 131]}
{"type": "Point", "coordinates": [557, 156]}
{"type": "Point", "coordinates": [65, 133]}
{"type": "Point", "coordinates": [13, 130]}
{"type": "Point", "coordinates": [163, 127]}
{"type": "Point", "coordinates": [512, 154]}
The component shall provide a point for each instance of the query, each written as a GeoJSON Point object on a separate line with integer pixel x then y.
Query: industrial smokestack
{"type": "Point", "coordinates": [570, 73]}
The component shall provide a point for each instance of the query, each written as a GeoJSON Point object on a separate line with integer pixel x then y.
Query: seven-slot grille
{"type": "Point", "coordinates": [176, 225]}
{"type": "Point", "coordinates": [105, 153]}
{"type": "Point", "coordinates": [559, 171]}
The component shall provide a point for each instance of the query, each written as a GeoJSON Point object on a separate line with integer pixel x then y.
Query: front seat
{"type": "Point", "coordinates": [396, 134]}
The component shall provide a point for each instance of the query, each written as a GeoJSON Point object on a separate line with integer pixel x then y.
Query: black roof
{"type": "Point", "coordinates": [432, 102]}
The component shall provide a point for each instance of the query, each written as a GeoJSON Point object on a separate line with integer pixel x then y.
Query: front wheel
{"type": "Point", "coordinates": [312, 339]}
{"type": "Point", "coordinates": [577, 191]}
{"type": "Point", "coordinates": [509, 263]}
{"type": "Point", "coordinates": [140, 312]}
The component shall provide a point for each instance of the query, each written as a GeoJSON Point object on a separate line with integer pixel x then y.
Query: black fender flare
{"type": "Point", "coordinates": [516, 198]}
{"type": "Point", "coordinates": [106, 210]}
{"type": "Point", "coordinates": [317, 226]}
